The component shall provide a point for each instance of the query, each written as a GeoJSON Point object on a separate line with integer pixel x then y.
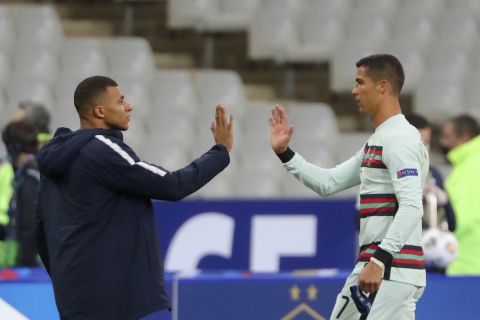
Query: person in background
{"type": "Point", "coordinates": [435, 180]}
{"type": "Point", "coordinates": [460, 141]}
{"type": "Point", "coordinates": [20, 139]}
{"type": "Point", "coordinates": [37, 115]}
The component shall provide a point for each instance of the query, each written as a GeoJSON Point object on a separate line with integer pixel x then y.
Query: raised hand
{"type": "Point", "coordinates": [221, 129]}
{"type": "Point", "coordinates": [280, 131]}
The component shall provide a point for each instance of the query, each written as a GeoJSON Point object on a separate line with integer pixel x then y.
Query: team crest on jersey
{"type": "Point", "coordinates": [407, 172]}
{"type": "Point", "coordinates": [372, 157]}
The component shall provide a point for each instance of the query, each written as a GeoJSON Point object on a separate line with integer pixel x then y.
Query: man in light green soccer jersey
{"type": "Point", "coordinates": [391, 169]}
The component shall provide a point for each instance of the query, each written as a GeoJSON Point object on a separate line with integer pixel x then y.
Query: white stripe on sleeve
{"type": "Point", "coordinates": [151, 168]}
{"type": "Point", "coordinates": [115, 147]}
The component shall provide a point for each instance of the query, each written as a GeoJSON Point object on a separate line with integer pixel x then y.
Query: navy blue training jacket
{"type": "Point", "coordinates": [97, 229]}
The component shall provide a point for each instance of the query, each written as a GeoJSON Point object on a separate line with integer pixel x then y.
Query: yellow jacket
{"type": "Point", "coordinates": [6, 190]}
{"type": "Point", "coordinates": [463, 186]}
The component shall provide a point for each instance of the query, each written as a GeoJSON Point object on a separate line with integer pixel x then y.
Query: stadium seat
{"type": "Point", "coordinates": [371, 29]}
{"type": "Point", "coordinates": [65, 115]}
{"type": "Point", "coordinates": [313, 121]}
{"type": "Point", "coordinates": [412, 61]}
{"type": "Point", "coordinates": [258, 154]}
{"type": "Point", "coordinates": [215, 87]}
{"type": "Point", "coordinates": [294, 6]}
{"type": "Point", "coordinates": [38, 25]}
{"type": "Point", "coordinates": [448, 59]}
{"type": "Point", "coordinates": [218, 188]}
{"type": "Point", "coordinates": [271, 34]}
{"type": "Point", "coordinates": [346, 54]}
{"type": "Point", "coordinates": [291, 188]}
{"type": "Point", "coordinates": [251, 184]}
{"type": "Point", "coordinates": [171, 124]}
{"type": "Point", "coordinates": [163, 151]}
{"type": "Point", "coordinates": [256, 119]}
{"type": "Point", "coordinates": [350, 143]}
{"type": "Point", "coordinates": [201, 143]}
{"type": "Point", "coordinates": [317, 38]}
{"type": "Point", "coordinates": [471, 93]}
{"type": "Point", "coordinates": [232, 15]}
{"type": "Point", "coordinates": [222, 186]}
{"type": "Point", "coordinates": [130, 57]}
{"type": "Point", "coordinates": [330, 8]}
{"type": "Point", "coordinates": [471, 7]}
{"type": "Point", "coordinates": [414, 29]}
{"type": "Point", "coordinates": [5, 66]}
{"type": "Point", "coordinates": [458, 29]}
{"type": "Point", "coordinates": [316, 150]}
{"type": "Point", "coordinates": [7, 29]}
{"type": "Point", "coordinates": [174, 89]}
{"type": "Point", "coordinates": [20, 89]}
{"type": "Point", "coordinates": [439, 96]}
{"type": "Point", "coordinates": [136, 134]}
{"type": "Point", "coordinates": [64, 89]}
{"type": "Point", "coordinates": [384, 9]}
{"type": "Point", "coordinates": [185, 14]}
{"type": "Point", "coordinates": [83, 57]}
{"type": "Point", "coordinates": [429, 9]}
{"type": "Point", "coordinates": [5, 111]}
{"type": "Point", "coordinates": [37, 62]}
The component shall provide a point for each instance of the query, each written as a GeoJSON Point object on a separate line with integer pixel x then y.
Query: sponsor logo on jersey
{"type": "Point", "coordinates": [407, 172]}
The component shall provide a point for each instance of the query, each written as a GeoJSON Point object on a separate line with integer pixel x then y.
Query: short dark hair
{"type": "Point", "coordinates": [418, 121]}
{"type": "Point", "coordinates": [20, 136]}
{"type": "Point", "coordinates": [384, 67]}
{"type": "Point", "coordinates": [465, 125]}
{"type": "Point", "coordinates": [89, 90]}
{"type": "Point", "coordinates": [36, 114]}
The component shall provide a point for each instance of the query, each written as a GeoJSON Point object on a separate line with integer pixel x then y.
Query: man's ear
{"type": "Point", "coordinates": [98, 112]}
{"type": "Point", "coordinates": [382, 86]}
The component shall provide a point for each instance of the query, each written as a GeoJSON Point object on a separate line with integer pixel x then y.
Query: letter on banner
{"type": "Point", "coordinates": [276, 236]}
{"type": "Point", "coordinates": [205, 234]}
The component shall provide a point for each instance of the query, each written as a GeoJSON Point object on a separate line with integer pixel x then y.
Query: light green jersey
{"type": "Point", "coordinates": [391, 169]}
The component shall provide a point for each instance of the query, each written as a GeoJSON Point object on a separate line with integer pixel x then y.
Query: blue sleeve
{"type": "Point", "coordinates": [114, 164]}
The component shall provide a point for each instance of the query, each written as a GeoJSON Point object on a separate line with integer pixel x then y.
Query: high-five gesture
{"type": "Point", "coordinates": [221, 129]}
{"type": "Point", "coordinates": [280, 131]}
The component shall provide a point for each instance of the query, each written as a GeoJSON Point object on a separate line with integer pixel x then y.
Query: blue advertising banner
{"type": "Point", "coordinates": [242, 295]}
{"type": "Point", "coordinates": [291, 297]}
{"type": "Point", "coordinates": [236, 297]}
{"type": "Point", "coordinates": [257, 235]}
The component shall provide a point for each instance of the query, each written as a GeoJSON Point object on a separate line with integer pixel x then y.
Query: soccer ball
{"type": "Point", "coordinates": [440, 248]}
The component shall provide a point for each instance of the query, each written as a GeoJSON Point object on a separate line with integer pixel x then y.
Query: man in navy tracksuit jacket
{"type": "Point", "coordinates": [97, 229]}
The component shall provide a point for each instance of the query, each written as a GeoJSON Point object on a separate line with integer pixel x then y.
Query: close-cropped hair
{"type": "Point", "coordinates": [89, 91]}
{"type": "Point", "coordinates": [384, 67]}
